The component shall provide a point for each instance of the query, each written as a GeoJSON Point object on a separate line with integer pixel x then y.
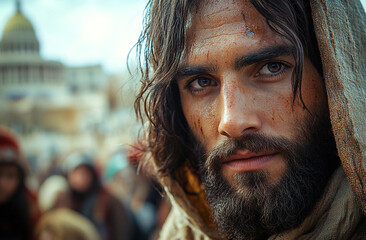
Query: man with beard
{"type": "Point", "coordinates": [239, 126]}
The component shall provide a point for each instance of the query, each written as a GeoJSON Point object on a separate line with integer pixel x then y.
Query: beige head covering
{"type": "Point", "coordinates": [340, 29]}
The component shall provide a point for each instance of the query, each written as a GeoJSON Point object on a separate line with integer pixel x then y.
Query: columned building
{"type": "Point", "coordinates": [23, 72]}
{"type": "Point", "coordinates": [56, 108]}
{"type": "Point", "coordinates": [43, 95]}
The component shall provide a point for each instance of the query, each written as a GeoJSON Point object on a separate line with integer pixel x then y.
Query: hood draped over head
{"type": "Point", "coordinates": [340, 28]}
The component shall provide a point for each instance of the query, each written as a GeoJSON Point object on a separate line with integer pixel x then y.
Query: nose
{"type": "Point", "coordinates": [239, 113]}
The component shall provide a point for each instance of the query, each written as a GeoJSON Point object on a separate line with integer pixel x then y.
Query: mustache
{"type": "Point", "coordinates": [253, 142]}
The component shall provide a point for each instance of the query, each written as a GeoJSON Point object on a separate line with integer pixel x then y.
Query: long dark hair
{"type": "Point", "coordinates": [161, 47]}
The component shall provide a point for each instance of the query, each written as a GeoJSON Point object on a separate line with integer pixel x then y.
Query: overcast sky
{"type": "Point", "coordinates": [79, 32]}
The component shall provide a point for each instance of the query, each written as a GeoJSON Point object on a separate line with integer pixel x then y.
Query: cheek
{"type": "Point", "coordinates": [200, 119]}
{"type": "Point", "coordinates": [280, 115]}
{"type": "Point", "coordinates": [281, 109]}
{"type": "Point", "coordinates": [314, 95]}
{"type": "Point", "coordinates": [313, 89]}
{"type": "Point", "coordinates": [285, 117]}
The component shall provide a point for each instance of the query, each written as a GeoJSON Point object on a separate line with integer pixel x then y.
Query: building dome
{"type": "Point", "coordinates": [19, 36]}
{"type": "Point", "coordinates": [18, 23]}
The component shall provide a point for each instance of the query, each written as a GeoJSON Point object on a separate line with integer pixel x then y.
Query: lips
{"type": "Point", "coordinates": [243, 161]}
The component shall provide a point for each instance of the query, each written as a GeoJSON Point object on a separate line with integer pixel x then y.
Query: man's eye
{"type": "Point", "coordinates": [271, 68]}
{"type": "Point", "coordinates": [200, 83]}
{"type": "Point", "coordinates": [203, 82]}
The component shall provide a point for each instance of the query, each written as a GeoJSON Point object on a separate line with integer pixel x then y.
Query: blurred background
{"type": "Point", "coordinates": [67, 118]}
{"type": "Point", "coordinates": [63, 78]}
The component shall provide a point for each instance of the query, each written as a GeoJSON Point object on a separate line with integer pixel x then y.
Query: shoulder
{"type": "Point", "coordinates": [35, 212]}
{"type": "Point", "coordinates": [176, 226]}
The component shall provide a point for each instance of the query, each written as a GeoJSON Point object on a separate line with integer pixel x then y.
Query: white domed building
{"type": "Point", "coordinates": [54, 108]}
{"type": "Point", "coordinates": [48, 104]}
{"type": "Point", "coordinates": [23, 73]}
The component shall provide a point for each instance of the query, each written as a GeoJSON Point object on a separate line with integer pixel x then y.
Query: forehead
{"type": "Point", "coordinates": [216, 14]}
{"type": "Point", "coordinates": [234, 22]}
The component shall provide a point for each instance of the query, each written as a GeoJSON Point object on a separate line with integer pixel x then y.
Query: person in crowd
{"type": "Point", "coordinates": [87, 196]}
{"type": "Point", "coordinates": [134, 189]}
{"type": "Point", "coordinates": [61, 223]}
{"type": "Point", "coordinates": [19, 210]}
{"type": "Point", "coordinates": [256, 117]}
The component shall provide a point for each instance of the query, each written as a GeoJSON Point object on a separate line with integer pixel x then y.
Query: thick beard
{"type": "Point", "coordinates": [252, 207]}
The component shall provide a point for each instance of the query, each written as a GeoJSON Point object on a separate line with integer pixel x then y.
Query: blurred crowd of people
{"type": "Point", "coordinates": [76, 198]}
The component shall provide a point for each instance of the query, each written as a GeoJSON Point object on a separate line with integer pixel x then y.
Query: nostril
{"type": "Point", "coordinates": [225, 134]}
{"type": "Point", "coordinates": [240, 126]}
{"type": "Point", "coordinates": [250, 129]}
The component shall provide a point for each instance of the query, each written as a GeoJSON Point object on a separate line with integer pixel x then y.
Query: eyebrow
{"type": "Point", "coordinates": [240, 62]}
{"type": "Point", "coordinates": [264, 54]}
{"type": "Point", "coordinates": [194, 70]}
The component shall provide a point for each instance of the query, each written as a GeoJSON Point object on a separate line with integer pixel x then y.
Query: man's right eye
{"type": "Point", "coordinates": [199, 84]}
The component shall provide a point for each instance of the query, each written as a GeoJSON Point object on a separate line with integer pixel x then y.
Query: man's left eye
{"type": "Point", "coordinates": [271, 68]}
